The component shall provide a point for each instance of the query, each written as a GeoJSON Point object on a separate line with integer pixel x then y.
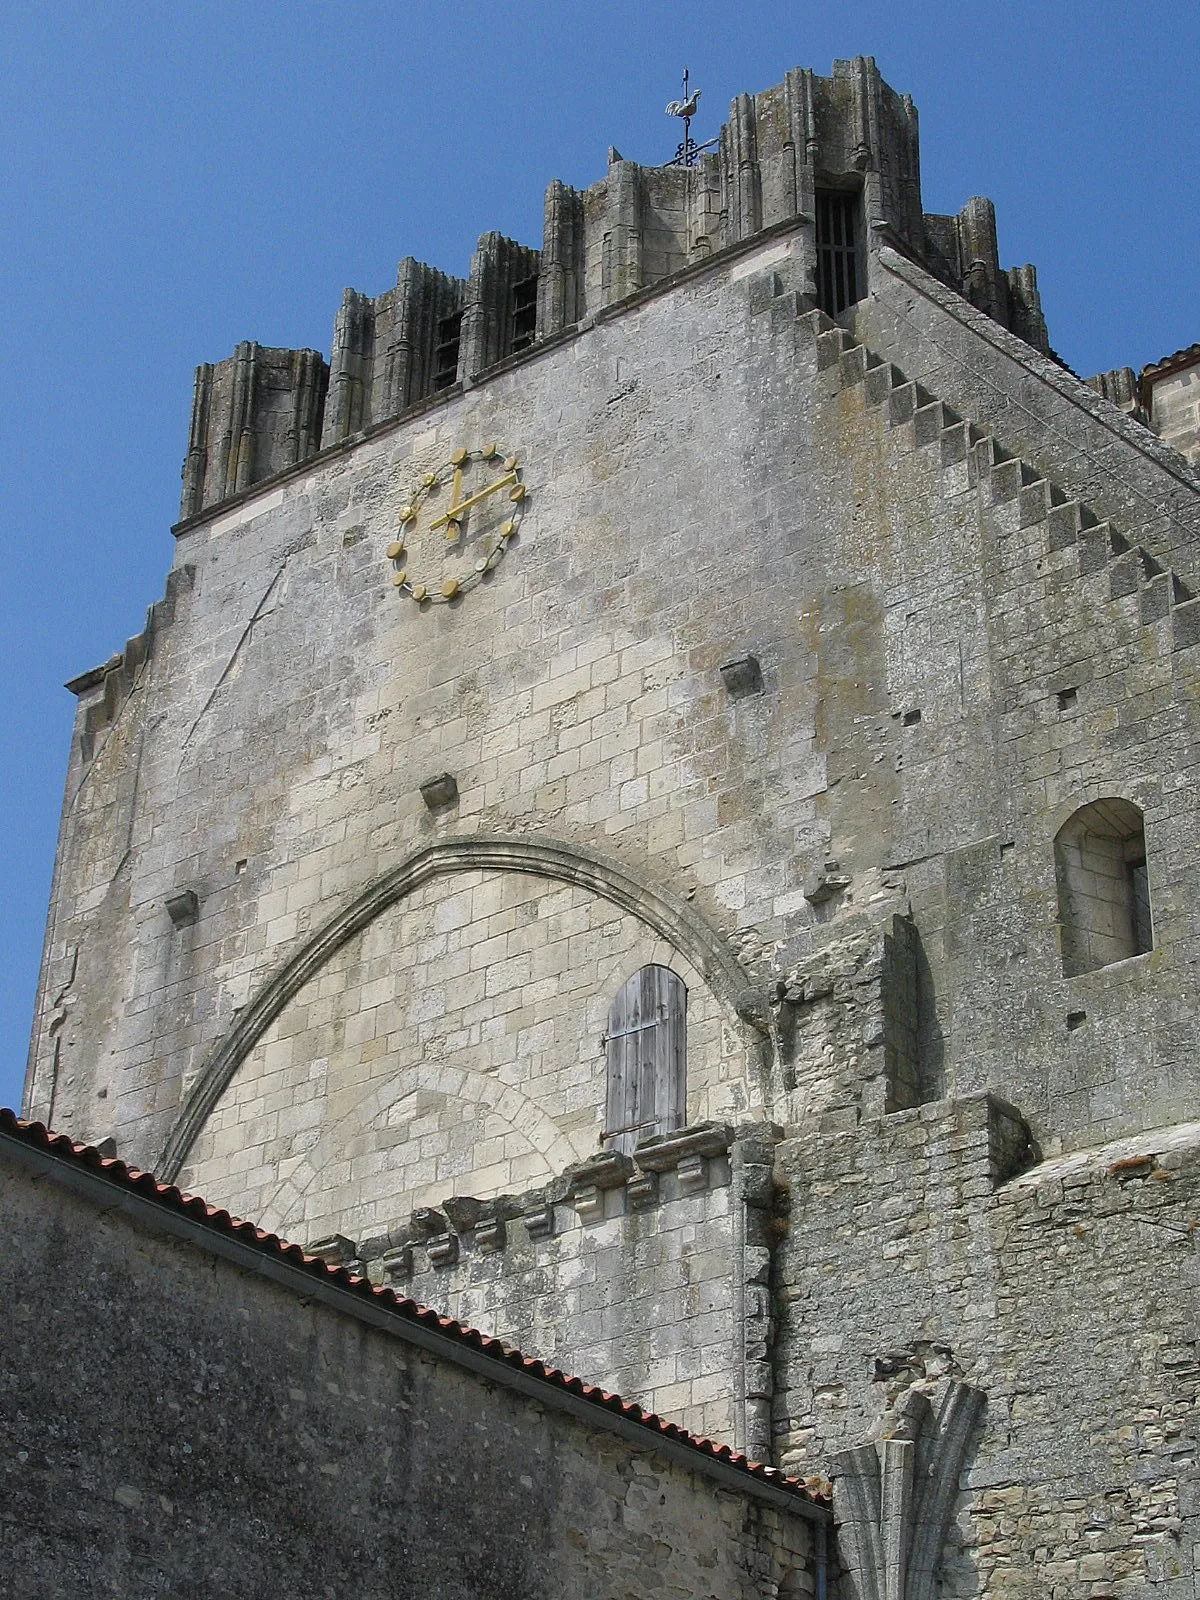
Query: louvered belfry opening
{"type": "Point", "coordinates": [524, 314]}
{"type": "Point", "coordinates": [445, 354]}
{"type": "Point", "coordinates": [646, 1046]}
{"type": "Point", "coordinates": [839, 273]}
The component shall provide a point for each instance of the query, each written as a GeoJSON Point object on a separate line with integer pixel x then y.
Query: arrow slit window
{"type": "Point", "coordinates": [646, 1049]}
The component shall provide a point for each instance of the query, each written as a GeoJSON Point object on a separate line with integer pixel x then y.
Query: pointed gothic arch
{"type": "Point", "coordinates": [672, 918]}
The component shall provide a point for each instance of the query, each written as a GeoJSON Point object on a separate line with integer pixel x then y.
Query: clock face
{"type": "Point", "coordinates": [456, 524]}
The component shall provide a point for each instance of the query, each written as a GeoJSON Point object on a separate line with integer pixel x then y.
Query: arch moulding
{"type": "Point", "coordinates": [672, 918]}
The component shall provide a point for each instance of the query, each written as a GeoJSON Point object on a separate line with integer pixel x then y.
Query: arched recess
{"type": "Point", "coordinates": [1103, 889]}
{"type": "Point", "coordinates": [673, 919]}
{"type": "Point", "coordinates": [286, 1198]}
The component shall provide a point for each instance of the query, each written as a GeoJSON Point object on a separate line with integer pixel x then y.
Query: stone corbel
{"type": "Point", "coordinates": [587, 1181]}
{"type": "Point", "coordinates": [667, 1150]}
{"type": "Point", "coordinates": [490, 1234]}
{"type": "Point", "coordinates": [539, 1221]}
{"type": "Point", "coordinates": [642, 1191]}
{"type": "Point", "coordinates": [397, 1265]}
{"type": "Point", "coordinates": [335, 1250]}
{"type": "Point", "coordinates": [442, 1249]}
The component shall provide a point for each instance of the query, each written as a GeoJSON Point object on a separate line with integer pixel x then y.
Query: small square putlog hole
{"type": "Point", "coordinates": [183, 908]}
{"type": "Point", "coordinates": [742, 677]}
{"type": "Point", "coordinates": [440, 791]}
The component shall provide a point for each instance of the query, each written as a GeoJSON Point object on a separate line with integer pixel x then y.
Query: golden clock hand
{"type": "Point", "coordinates": [452, 519]}
{"type": "Point", "coordinates": [456, 511]}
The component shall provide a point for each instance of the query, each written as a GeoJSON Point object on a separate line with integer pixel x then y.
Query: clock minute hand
{"type": "Point", "coordinates": [456, 512]}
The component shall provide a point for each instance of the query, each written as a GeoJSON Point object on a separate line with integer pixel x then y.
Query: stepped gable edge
{"type": "Point", "coordinates": [1068, 521]}
{"type": "Point", "coordinates": [118, 677]}
{"type": "Point", "coordinates": [1041, 409]}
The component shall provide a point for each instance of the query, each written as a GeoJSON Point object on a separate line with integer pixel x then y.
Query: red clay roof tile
{"type": "Point", "coordinates": [145, 1183]}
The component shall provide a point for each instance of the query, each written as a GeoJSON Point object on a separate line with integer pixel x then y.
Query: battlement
{"type": "Point", "coordinates": [838, 155]}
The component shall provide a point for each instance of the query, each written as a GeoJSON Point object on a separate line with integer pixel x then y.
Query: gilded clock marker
{"type": "Point", "coordinates": [477, 480]}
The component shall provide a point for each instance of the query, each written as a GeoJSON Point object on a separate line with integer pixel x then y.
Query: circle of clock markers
{"type": "Point", "coordinates": [507, 483]}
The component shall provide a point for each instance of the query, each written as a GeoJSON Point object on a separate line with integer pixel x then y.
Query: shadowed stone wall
{"type": "Point", "coordinates": [184, 1416]}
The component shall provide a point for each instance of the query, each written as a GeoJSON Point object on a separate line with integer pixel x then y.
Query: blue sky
{"type": "Point", "coordinates": [179, 177]}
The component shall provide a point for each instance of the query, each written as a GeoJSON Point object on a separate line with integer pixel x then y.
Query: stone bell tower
{"type": "Point", "coordinates": [655, 815]}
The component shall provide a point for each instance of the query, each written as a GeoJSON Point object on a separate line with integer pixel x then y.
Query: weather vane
{"type": "Point", "coordinates": [688, 151]}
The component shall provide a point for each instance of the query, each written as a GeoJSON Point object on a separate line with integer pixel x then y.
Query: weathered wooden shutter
{"type": "Point", "coordinates": [647, 1058]}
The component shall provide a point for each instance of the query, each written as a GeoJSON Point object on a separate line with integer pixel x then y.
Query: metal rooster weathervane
{"type": "Point", "coordinates": [688, 151]}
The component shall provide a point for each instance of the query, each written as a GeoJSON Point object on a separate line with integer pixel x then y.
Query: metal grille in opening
{"type": "Point", "coordinates": [445, 354]}
{"type": "Point", "coordinates": [837, 252]}
{"type": "Point", "coordinates": [524, 314]}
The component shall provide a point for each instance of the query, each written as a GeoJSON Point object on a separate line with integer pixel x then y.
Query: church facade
{"type": "Point", "coordinates": [656, 816]}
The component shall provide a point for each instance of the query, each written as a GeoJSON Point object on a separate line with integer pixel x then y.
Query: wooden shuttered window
{"type": "Point", "coordinates": [646, 1046]}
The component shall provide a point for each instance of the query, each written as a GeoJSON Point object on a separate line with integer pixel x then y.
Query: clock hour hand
{"type": "Point", "coordinates": [455, 512]}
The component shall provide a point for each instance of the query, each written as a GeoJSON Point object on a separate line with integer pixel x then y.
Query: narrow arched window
{"type": "Point", "coordinates": [646, 1047]}
{"type": "Point", "coordinates": [1103, 890]}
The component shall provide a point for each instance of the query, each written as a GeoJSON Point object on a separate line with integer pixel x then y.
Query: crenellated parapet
{"type": "Point", "coordinates": [390, 351]}
{"type": "Point", "coordinates": [848, 131]}
{"type": "Point", "coordinates": [500, 310]}
{"type": "Point", "coordinates": [837, 157]}
{"type": "Point", "coordinates": [428, 333]}
{"type": "Point", "coordinates": [253, 415]}
{"type": "Point", "coordinates": [963, 251]}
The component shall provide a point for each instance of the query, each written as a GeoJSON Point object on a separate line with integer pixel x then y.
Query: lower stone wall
{"type": "Point", "coordinates": [923, 1263]}
{"type": "Point", "coordinates": [182, 1413]}
{"type": "Point", "coordinates": [647, 1276]}
{"type": "Point", "coordinates": [1087, 1483]}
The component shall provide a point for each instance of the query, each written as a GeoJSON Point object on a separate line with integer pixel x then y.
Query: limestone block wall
{"type": "Point", "coordinates": [1062, 701]}
{"type": "Point", "coordinates": [575, 695]}
{"type": "Point", "coordinates": [931, 617]}
{"type": "Point", "coordinates": [1175, 408]}
{"type": "Point", "coordinates": [455, 1047]}
{"type": "Point", "coordinates": [915, 1259]}
{"type": "Point", "coordinates": [1033, 406]}
{"type": "Point", "coordinates": [641, 1297]}
{"type": "Point", "coordinates": [649, 1275]}
{"type": "Point", "coordinates": [1109, 1372]}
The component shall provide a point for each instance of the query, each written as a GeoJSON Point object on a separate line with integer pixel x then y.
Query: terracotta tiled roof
{"type": "Point", "coordinates": [145, 1184]}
